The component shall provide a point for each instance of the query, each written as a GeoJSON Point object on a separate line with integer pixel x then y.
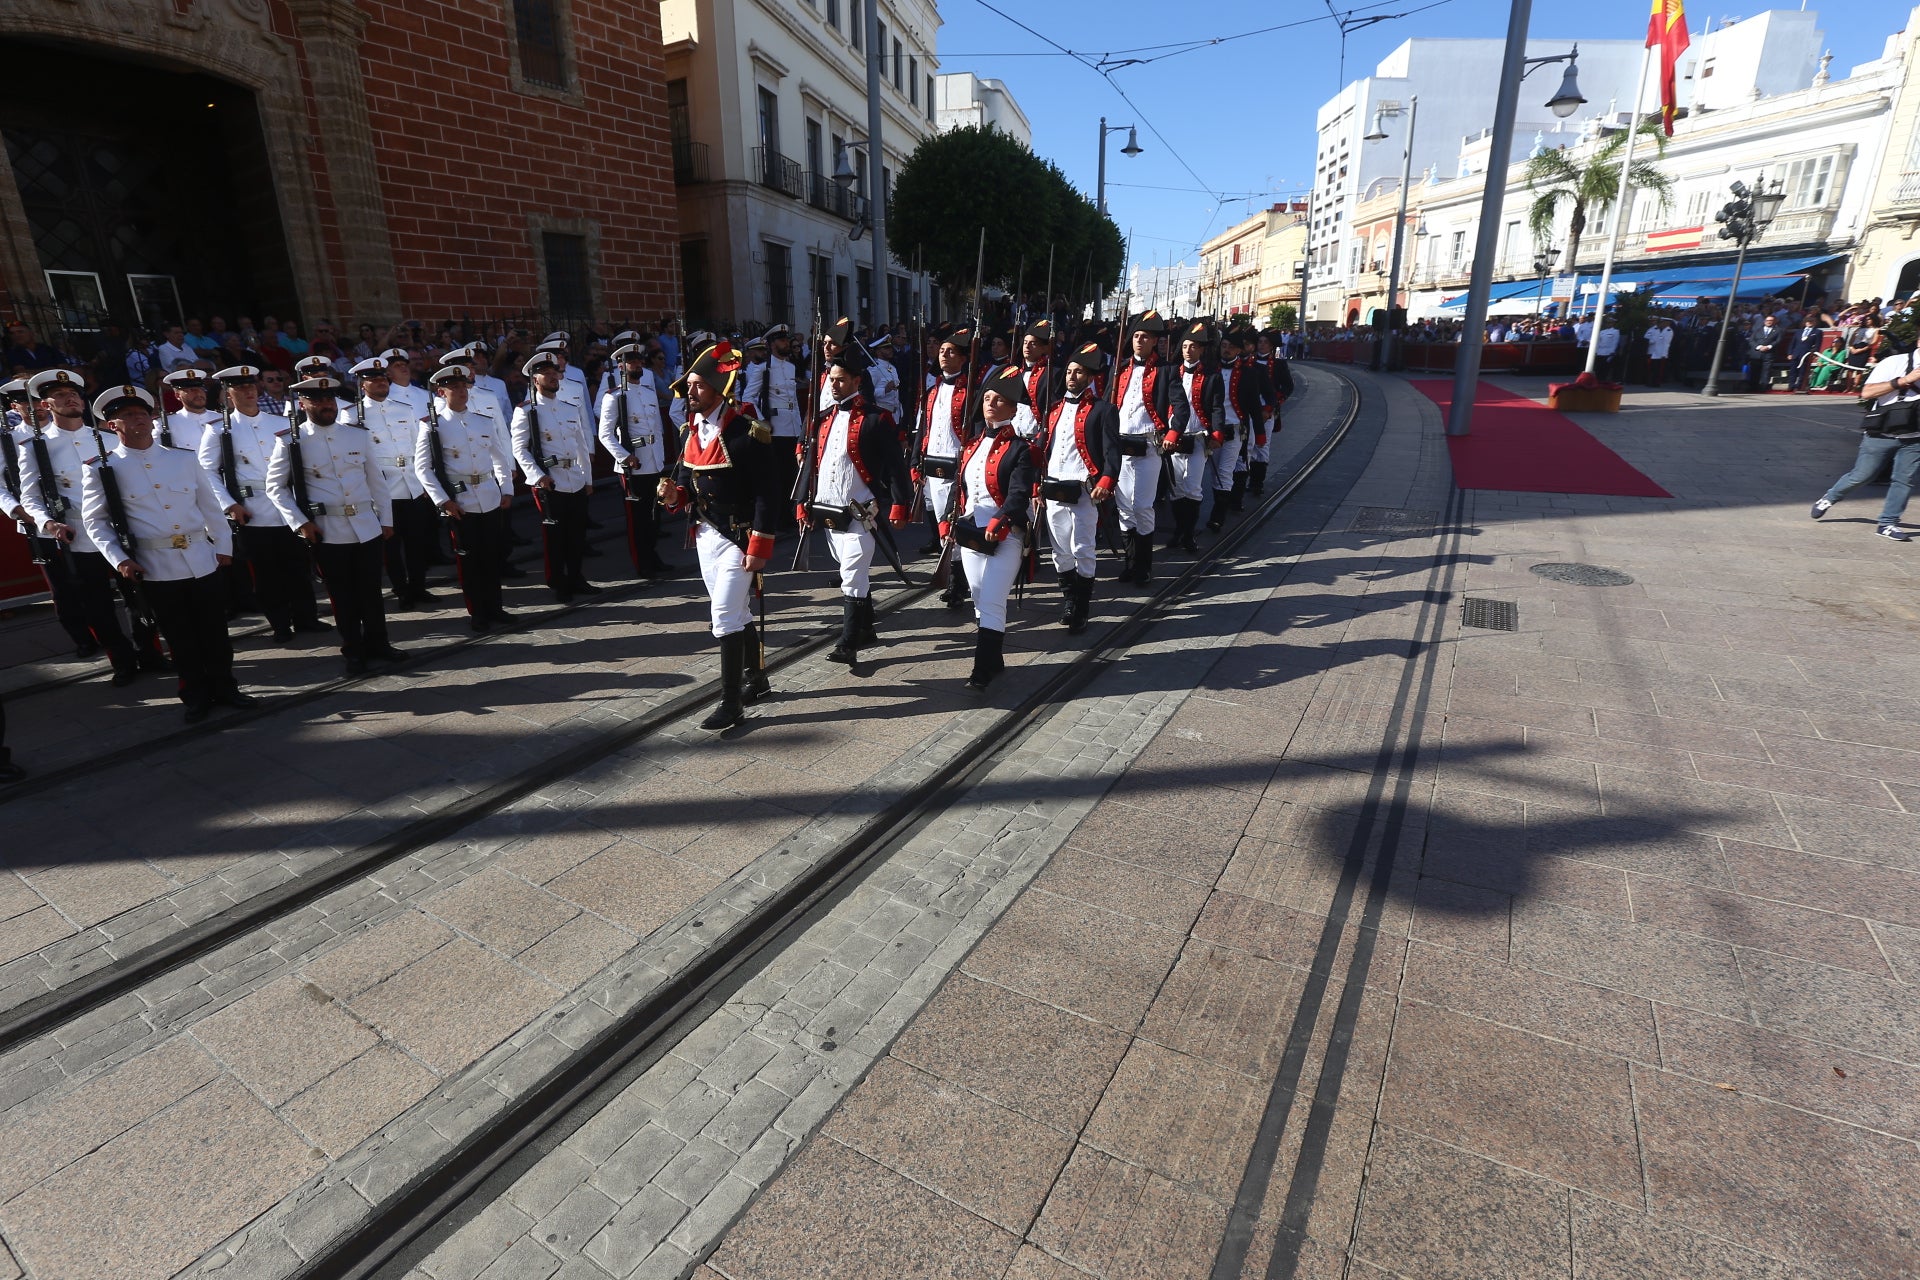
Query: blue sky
{"type": "Point", "coordinates": [1240, 114]}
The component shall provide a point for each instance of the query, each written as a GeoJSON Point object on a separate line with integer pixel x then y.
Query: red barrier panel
{"type": "Point", "coordinates": [18, 576]}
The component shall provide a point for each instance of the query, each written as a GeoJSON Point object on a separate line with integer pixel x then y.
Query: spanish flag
{"type": "Point", "coordinates": [1667, 31]}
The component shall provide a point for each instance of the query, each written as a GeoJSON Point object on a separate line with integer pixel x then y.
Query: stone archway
{"type": "Point", "coordinates": [235, 41]}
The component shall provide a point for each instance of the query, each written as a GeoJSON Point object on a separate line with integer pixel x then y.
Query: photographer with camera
{"type": "Point", "coordinates": [1890, 431]}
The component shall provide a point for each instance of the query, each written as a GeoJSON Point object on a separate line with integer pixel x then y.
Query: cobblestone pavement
{"type": "Point", "coordinates": [1409, 949]}
{"type": "Point", "coordinates": [313, 1066]}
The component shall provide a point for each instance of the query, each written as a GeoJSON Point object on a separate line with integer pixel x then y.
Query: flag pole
{"type": "Point", "coordinates": [1622, 207]}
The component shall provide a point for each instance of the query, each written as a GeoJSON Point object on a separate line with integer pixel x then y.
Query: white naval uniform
{"type": "Point", "coordinates": [475, 449]}
{"type": "Point", "coordinates": [176, 519]}
{"type": "Point", "coordinates": [393, 428]}
{"type": "Point", "coordinates": [649, 453]}
{"type": "Point", "coordinates": [254, 439]}
{"type": "Point", "coordinates": [942, 440]}
{"type": "Point", "coordinates": [421, 398]}
{"type": "Point", "coordinates": [186, 427]}
{"type": "Point", "coordinates": [487, 384]}
{"type": "Point", "coordinates": [1071, 526]}
{"type": "Point", "coordinates": [565, 451]}
{"type": "Point", "coordinates": [989, 575]}
{"type": "Point", "coordinates": [345, 485]}
{"type": "Point", "coordinates": [774, 390]}
{"type": "Point", "coordinates": [723, 565]}
{"type": "Point", "coordinates": [1139, 480]}
{"type": "Point", "coordinates": [67, 451]}
{"type": "Point", "coordinates": [839, 484]}
{"type": "Point", "coordinates": [886, 387]}
{"type": "Point", "coordinates": [1190, 469]}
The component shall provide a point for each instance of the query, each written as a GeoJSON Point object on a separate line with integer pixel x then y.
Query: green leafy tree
{"type": "Point", "coordinates": [1281, 315]}
{"type": "Point", "coordinates": [957, 182]}
{"type": "Point", "coordinates": [1591, 182]}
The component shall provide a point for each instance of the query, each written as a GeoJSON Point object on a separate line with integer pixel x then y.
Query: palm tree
{"type": "Point", "coordinates": [1592, 182]}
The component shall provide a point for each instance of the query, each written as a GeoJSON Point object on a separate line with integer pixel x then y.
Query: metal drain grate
{"type": "Point", "coordinates": [1583, 575]}
{"type": "Point", "coordinates": [1489, 615]}
{"type": "Point", "coordinates": [1395, 520]}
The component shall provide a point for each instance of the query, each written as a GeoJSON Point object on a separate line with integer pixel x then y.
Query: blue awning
{"type": "Point", "coordinates": [1722, 272]}
{"type": "Point", "coordinates": [1503, 291]}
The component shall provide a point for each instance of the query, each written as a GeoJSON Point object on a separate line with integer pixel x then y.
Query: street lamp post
{"type": "Point", "coordinates": [1516, 66]}
{"type": "Point", "coordinates": [1745, 219]}
{"type": "Point", "coordinates": [1133, 148]}
{"type": "Point", "coordinates": [1385, 358]}
{"type": "Point", "coordinates": [1542, 264]}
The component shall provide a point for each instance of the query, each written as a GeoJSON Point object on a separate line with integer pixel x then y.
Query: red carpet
{"type": "Point", "coordinates": [1522, 446]}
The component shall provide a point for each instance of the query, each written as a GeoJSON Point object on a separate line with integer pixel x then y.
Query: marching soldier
{"type": "Point", "coordinates": [1150, 405]}
{"type": "Point", "coordinates": [1079, 457]}
{"type": "Point", "coordinates": [1272, 358]}
{"type": "Point", "coordinates": [15, 442]}
{"type": "Point", "coordinates": [183, 428]}
{"type": "Point", "coordinates": [52, 477]}
{"type": "Point", "coordinates": [327, 484]}
{"type": "Point", "coordinates": [155, 517]}
{"type": "Point", "coordinates": [858, 467]}
{"type": "Point", "coordinates": [235, 450]}
{"type": "Point", "coordinates": [990, 529]}
{"type": "Point", "coordinates": [1187, 447]}
{"type": "Point", "coordinates": [460, 457]}
{"type": "Point", "coordinates": [999, 358]}
{"type": "Point", "coordinates": [1042, 378]}
{"type": "Point", "coordinates": [635, 439]}
{"type": "Point", "coordinates": [1245, 403]}
{"type": "Point", "coordinates": [725, 474]}
{"type": "Point", "coordinates": [948, 421]}
{"type": "Point", "coordinates": [393, 429]}
{"type": "Point", "coordinates": [554, 446]}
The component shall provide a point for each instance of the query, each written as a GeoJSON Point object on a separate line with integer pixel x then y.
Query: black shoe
{"type": "Point", "coordinates": [356, 666]}
{"type": "Point", "coordinates": [756, 686]}
{"type": "Point", "coordinates": [481, 625]}
{"type": "Point", "coordinates": [237, 700]}
{"type": "Point", "coordinates": [424, 596]}
{"type": "Point", "coordinates": [512, 571]}
{"type": "Point", "coordinates": [847, 652]}
{"type": "Point", "coordinates": [155, 662]}
{"type": "Point", "coordinates": [86, 649]}
{"type": "Point", "coordinates": [584, 588]}
{"type": "Point", "coordinates": [733, 664]}
{"type": "Point", "coordinates": [313, 626]}
{"type": "Point", "coordinates": [11, 772]}
{"type": "Point", "coordinates": [196, 712]}
{"type": "Point", "coordinates": [387, 653]}
{"type": "Point", "coordinates": [519, 539]}
{"type": "Point", "coordinates": [283, 635]}
{"type": "Point", "coordinates": [124, 676]}
{"type": "Point", "coordinates": [500, 617]}
{"type": "Point", "coordinates": [1070, 590]}
{"type": "Point", "coordinates": [401, 604]}
{"type": "Point", "coordinates": [563, 595]}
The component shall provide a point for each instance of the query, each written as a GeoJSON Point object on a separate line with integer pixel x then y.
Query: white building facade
{"type": "Point", "coordinates": [761, 97]}
{"type": "Point", "coordinates": [963, 99]}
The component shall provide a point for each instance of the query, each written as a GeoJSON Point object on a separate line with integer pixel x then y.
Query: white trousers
{"type": "Point", "coordinates": [1071, 528]}
{"type": "Point", "coordinates": [991, 577]}
{"type": "Point", "coordinates": [1258, 452]}
{"type": "Point", "coordinates": [938, 492]}
{"type": "Point", "coordinates": [1138, 486]}
{"type": "Point", "coordinates": [854, 551]}
{"type": "Point", "coordinates": [729, 585]}
{"type": "Point", "coordinates": [1226, 458]}
{"type": "Point", "coordinates": [1189, 470]}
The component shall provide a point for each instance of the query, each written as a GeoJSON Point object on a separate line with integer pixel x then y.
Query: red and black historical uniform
{"type": "Point", "coordinates": [1198, 383]}
{"type": "Point", "coordinates": [1077, 459]}
{"type": "Point", "coordinates": [1146, 395]}
{"type": "Point", "coordinates": [991, 527]}
{"type": "Point", "coordinates": [1244, 402]}
{"type": "Point", "coordinates": [859, 482]}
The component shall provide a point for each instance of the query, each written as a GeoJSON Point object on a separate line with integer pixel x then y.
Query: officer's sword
{"type": "Point", "coordinates": [868, 514]}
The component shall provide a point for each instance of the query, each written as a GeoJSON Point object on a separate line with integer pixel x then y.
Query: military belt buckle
{"type": "Point", "coordinates": [178, 542]}
{"type": "Point", "coordinates": [458, 486]}
{"type": "Point", "coordinates": [246, 491]}
{"type": "Point", "coordinates": [400, 462]}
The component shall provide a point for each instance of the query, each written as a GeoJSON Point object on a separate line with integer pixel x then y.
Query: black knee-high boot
{"type": "Point", "coordinates": [1240, 489]}
{"type": "Point", "coordinates": [1257, 472]}
{"type": "Point", "coordinates": [987, 659]}
{"type": "Point", "coordinates": [1129, 554]}
{"type": "Point", "coordinates": [1079, 604]}
{"type": "Point", "coordinates": [863, 616]}
{"type": "Point", "coordinates": [1186, 516]}
{"type": "Point", "coordinates": [848, 650]}
{"type": "Point", "coordinates": [733, 664]}
{"type": "Point", "coordinates": [1069, 592]}
{"type": "Point", "coordinates": [1143, 562]}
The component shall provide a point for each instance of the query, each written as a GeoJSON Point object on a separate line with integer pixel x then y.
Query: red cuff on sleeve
{"type": "Point", "coordinates": [898, 514]}
{"type": "Point", "coordinates": [761, 545]}
{"type": "Point", "coordinates": [1172, 439]}
{"type": "Point", "coordinates": [1104, 483]}
{"type": "Point", "coordinates": [800, 512]}
{"type": "Point", "coordinates": [998, 528]}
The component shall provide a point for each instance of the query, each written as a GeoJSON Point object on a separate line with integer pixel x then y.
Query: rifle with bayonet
{"type": "Point", "coordinates": [807, 481]}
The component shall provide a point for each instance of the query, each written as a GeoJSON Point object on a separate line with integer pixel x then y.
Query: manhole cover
{"type": "Point", "coordinates": [1489, 615]}
{"type": "Point", "coordinates": [1395, 520]}
{"type": "Point", "coordinates": [1583, 575]}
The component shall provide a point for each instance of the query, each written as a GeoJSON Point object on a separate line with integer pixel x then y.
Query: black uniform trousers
{"type": "Point", "coordinates": [481, 538]}
{"type": "Point", "coordinates": [282, 574]}
{"type": "Point", "coordinates": [84, 585]}
{"type": "Point", "coordinates": [416, 533]}
{"type": "Point", "coordinates": [563, 537]}
{"type": "Point", "coordinates": [351, 571]}
{"type": "Point", "coordinates": [643, 521]}
{"type": "Point", "coordinates": [192, 613]}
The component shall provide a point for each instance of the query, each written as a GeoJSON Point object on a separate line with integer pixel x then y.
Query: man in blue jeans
{"type": "Point", "coordinates": [1893, 381]}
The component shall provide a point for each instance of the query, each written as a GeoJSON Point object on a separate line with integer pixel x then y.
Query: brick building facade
{"type": "Point", "coordinates": [327, 159]}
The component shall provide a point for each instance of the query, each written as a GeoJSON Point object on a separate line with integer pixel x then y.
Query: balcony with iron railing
{"type": "Point", "coordinates": [771, 169]}
{"type": "Point", "coordinates": [825, 194]}
{"type": "Point", "coordinates": [689, 162]}
{"type": "Point", "coordinates": [1907, 190]}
